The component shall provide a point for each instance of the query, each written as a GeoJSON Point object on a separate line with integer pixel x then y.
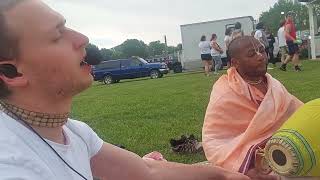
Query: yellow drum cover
{"type": "Point", "coordinates": [294, 150]}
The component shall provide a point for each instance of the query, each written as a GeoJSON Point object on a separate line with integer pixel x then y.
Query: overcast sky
{"type": "Point", "coordinates": [110, 22]}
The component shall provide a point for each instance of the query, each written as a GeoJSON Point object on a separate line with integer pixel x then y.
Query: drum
{"type": "Point", "coordinates": [294, 150]}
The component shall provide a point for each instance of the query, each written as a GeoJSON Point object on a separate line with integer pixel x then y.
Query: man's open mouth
{"type": "Point", "coordinates": [83, 63]}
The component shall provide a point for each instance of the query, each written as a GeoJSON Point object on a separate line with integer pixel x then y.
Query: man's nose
{"type": "Point", "coordinates": [80, 40]}
{"type": "Point", "coordinates": [262, 56]}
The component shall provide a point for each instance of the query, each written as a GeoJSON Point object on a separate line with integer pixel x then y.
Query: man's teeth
{"type": "Point", "coordinates": [83, 63]}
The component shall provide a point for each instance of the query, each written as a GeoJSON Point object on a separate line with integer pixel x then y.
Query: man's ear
{"type": "Point", "coordinates": [234, 62]}
{"type": "Point", "coordinates": [14, 82]}
{"type": "Point", "coordinates": [10, 76]}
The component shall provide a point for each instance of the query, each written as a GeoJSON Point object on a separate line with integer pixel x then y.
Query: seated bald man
{"type": "Point", "coordinates": [246, 107]}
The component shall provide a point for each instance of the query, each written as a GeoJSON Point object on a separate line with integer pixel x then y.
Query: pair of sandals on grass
{"type": "Point", "coordinates": [184, 145]}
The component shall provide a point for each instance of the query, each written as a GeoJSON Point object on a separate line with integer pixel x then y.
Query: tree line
{"type": "Point", "coordinates": [133, 47]}
{"type": "Point", "coordinates": [278, 11]}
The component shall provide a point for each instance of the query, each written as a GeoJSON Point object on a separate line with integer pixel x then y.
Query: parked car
{"type": "Point", "coordinates": [113, 71]}
{"type": "Point", "coordinates": [174, 65]}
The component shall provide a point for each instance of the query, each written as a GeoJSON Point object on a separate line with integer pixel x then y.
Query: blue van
{"type": "Point", "coordinates": [113, 71]}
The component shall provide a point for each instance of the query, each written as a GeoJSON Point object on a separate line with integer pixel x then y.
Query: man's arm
{"type": "Point", "coordinates": [114, 163]}
{"type": "Point", "coordinates": [177, 171]}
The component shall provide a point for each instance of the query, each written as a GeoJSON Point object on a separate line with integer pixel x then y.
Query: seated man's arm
{"type": "Point", "coordinates": [114, 163]}
{"type": "Point", "coordinates": [222, 128]}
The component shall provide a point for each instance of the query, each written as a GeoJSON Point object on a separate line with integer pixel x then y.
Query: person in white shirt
{"type": "Point", "coordinates": [42, 68]}
{"type": "Point", "coordinates": [282, 41]}
{"type": "Point", "coordinates": [260, 34]}
{"type": "Point", "coordinates": [237, 32]}
{"type": "Point", "coordinates": [216, 52]}
{"type": "Point", "coordinates": [205, 50]}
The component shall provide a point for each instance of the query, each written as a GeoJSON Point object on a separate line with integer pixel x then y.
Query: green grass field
{"type": "Point", "coordinates": [144, 114]}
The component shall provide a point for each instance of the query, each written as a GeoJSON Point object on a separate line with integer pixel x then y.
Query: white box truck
{"type": "Point", "coordinates": [191, 34]}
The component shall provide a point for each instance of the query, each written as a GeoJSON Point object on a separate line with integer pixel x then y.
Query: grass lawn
{"type": "Point", "coordinates": [144, 114]}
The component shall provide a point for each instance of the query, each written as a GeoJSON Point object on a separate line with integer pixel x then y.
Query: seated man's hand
{"type": "Point", "coordinates": [255, 175]}
{"type": "Point", "coordinates": [236, 176]}
{"type": "Point", "coordinates": [228, 175]}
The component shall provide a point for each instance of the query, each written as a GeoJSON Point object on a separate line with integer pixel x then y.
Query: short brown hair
{"type": "Point", "coordinates": [8, 42]}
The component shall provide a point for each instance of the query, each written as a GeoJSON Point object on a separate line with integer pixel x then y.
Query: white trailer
{"type": "Point", "coordinates": [191, 34]}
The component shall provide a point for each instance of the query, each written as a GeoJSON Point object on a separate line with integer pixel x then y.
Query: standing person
{"type": "Point", "coordinates": [227, 40]}
{"type": "Point", "coordinates": [260, 35]}
{"type": "Point", "coordinates": [237, 32]}
{"type": "Point", "coordinates": [205, 50]}
{"type": "Point", "coordinates": [282, 41]}
{"type": "Point", "coordinates": [271, 41]}
{"type": "Point", "coordinates": [42, 68]}
{"type": "Point", "coordinates": [216, 52]}
{"type": "Point", "coordinates": [291, 40]}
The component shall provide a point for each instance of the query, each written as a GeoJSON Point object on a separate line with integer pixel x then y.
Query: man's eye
{"type": "Point", "coordinates": [61, 31]}
{"type": "Point", "coordinates": [251, 54]}
{"type": "Point", "coordinates": [57, 39]}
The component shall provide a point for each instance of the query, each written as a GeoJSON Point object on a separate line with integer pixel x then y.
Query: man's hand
{"type": "Point", "coordinates": [223, 174]}
{"type": "Point", "coordinates": [255, 175]}
{"type": "Point", "coordinates": [236, 176]}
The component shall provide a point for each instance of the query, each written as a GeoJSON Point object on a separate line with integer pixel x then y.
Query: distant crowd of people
{"type": "Point", "coordinates": [211, 51]}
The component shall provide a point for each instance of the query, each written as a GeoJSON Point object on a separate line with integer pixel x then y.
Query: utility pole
{"type": "Point", "coordinates": [166, 44]}
{"type": "Point", "coordinates": [312, 31]}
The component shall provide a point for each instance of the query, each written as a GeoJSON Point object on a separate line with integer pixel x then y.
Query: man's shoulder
{"type": "Point", "coordinates": [281, 29]}
{"type": "Point", "coordinates": [221, 86]}
{"type": "Point", "coordinates": [276, 84]}
{"type": "Point", "coordinates": [78, 127]}
{"type": "Point", "coordinates": [258, 31]}
{"type": "Point", "coordinates": [87, 134]}
{"type": "Point", "coordinates": [288, 26]}
{"type": "Point", "coordinates": [12, 148]}
{"type": "Point", "coordinates": [7, 136]}
{"type": "Point", "coordinates": [73, 122]}
{"type": "Point", "coordinates": [258, 34]}
{"type": "Point", "coordinates": [274, 81]}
